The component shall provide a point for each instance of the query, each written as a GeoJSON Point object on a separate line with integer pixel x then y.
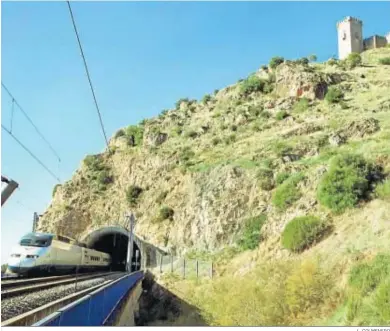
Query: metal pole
{"type": "Point", "coordinates": [130, 242]}
{"type": "Point", "coordinates": [8, 190]}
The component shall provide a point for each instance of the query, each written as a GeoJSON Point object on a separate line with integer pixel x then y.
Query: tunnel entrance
{"type": "Point", "coordinates": [114, 241]}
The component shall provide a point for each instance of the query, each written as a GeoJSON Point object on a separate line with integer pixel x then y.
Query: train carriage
{"type": "Point", "coordinates": [41, 253]}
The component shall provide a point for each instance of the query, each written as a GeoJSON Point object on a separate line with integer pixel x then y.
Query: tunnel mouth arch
{"type": "Point", "coordinates": [114, 241]}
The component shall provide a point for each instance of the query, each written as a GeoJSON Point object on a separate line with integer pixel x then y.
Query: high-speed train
{"type": "Point", "coordinates": [40, 253]}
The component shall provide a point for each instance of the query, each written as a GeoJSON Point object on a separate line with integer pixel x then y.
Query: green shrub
{"type": "Point", "coordinates": [332, 62]}
{"type": "Point", "coordinates": [230, 139]}
{"type": "Point", "coordinates": [186, 156]}
{"type": "Point", "coordinates": [301, 106]}
{"type": "Point", "coordinates": [135, 134]}
{"type": "Point", "coordinates": [234, 127]}
{"type": "Point", "coordinates": [206, 98]}
{"type": "Point", "coordinates": [215, 141]}
{"type": "Point", "coordinates": [347, 181]}
{"type": "Point", "coordinates": [161, 197]}
{"type": "Point", "coordinates": [132, 194]}
{"type": "Point", "coordinates": [178, 103]}
{"type": "Point", "coordinates": [120, 133]}
{"type": "Point", "coordinates": [353, 60]}
{"type": "Point", "coordinates": [281, 177]}
{"type": "Point", "coordinates": [334, 95]}
{"type": "Point", "coordinates": [365, 277]}
{"type": "Point", "coordinates": [216, 91]}
{"type": "Point", "coordinates": [264, 67]}
{"type": "Point", "coordinates": [303, 61]}
{"type": "Point", "coordinates": [385, 61]}
{"type": "Point", "coordinates": [252, 84]}
{"type": "Point", "coordinates": [280, 148]}
{"type": "Point", "coordinates": [166, 213]}
{"type": "Point", "coordinates": [280, 115]}
{"type": "Point", "coordinates": [313, 58]}
{"type": "Point", "coordinates": [55, 189]}
{"type": "Point", "coordinates": [301, 232]}
{"type": "Point", "coordinates": [287, 193]}
{"type": "Point", "coordinates": [275, 61]}
{"type": "Point", "coordinates": [104, 178]}
{"type": "Point", "coordinates": [265, 114]}
{"type": "Point", "coordinates": [251, 235]}
{"type": "Point", "coordinates": [383, 190]}
{"type": "Point", "coordinates": [94, 163]}
{"type": "Point", "coordinates": [191, 134]}
{"type": "Point", "coordinates": [266, 179]}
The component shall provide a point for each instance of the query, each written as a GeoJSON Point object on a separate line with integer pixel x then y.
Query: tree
{"type": "Point", "coordinates": [313, 58]}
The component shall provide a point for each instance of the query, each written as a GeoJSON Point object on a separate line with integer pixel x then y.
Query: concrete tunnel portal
{"type": "Point", "coordinates": [114, 241]}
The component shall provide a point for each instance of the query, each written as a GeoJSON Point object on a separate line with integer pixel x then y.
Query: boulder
{"type": "Point", "coordinates": [297, 81]}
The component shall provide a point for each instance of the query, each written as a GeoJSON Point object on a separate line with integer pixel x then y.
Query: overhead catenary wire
{"type": "Point", "coordinates": [88, 75]}
{"type": "Point", "coordinates": [32, 155]}
{"type": "Point", "coordinates": [14, 102]}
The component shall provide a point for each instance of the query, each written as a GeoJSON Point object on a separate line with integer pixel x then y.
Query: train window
{"type": "Point", "coordinates": [36, 240]}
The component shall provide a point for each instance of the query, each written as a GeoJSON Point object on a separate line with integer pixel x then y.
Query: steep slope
{"type": "Point", "coordinates": [195, 174]}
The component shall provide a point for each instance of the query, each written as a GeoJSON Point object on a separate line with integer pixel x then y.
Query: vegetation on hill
{"type": "Point", "coordinates": [283, 178]}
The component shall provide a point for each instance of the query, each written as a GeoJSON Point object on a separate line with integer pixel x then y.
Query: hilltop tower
{"type": "Point", "coordinates": [350, 36]}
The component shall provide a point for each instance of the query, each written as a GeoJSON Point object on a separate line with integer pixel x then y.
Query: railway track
{"type": "Point", "coordinates": [26, 304]}
{"type": "Point", "coordinates": [14, 288]}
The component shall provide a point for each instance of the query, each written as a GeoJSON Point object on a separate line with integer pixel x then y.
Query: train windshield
{"type": "Point", "coordinates": [36, 240]}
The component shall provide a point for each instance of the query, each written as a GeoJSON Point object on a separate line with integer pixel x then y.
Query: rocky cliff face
{"type": "Point", "coordinates": [194, 174]}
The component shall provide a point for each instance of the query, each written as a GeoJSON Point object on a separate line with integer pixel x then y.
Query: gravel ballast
{"type": "Point", "coordinates": [11, 307]}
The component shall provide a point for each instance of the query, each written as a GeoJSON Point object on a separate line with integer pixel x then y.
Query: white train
{"type": "Point", "coordinates": [39, 253]}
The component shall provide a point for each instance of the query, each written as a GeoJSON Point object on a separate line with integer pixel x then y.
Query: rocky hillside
{"type": "Point", "coordinates": [246, 160]}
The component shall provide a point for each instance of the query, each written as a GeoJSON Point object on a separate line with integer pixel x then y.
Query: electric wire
{"type": "Point", "coordinates": [87, 71]}
{"type": "Point", "coordinates": [14, 101]}
{"type": "Point", "coordinates": [31, 154]}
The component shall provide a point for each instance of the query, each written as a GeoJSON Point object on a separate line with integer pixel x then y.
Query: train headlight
{"type": "Point", "coordinates": [32, 256]}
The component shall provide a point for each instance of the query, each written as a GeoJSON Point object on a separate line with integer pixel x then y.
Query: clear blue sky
{"type": "Point", "coordinates": [142, 57]}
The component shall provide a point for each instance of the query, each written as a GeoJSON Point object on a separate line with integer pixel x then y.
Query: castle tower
{"type": "Point", "coordinates": [350, 36]}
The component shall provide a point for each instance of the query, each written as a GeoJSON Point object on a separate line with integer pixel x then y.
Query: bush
{"type": "Point", "coordinates": [353, 60]}
{"type": "Point", "coordinates": [186, 155]}
{"type": "Point", "coordinates": [94, 163]}
{"type": "Point", "coordinates": [191, 134]}
{"type": "Point", "coordinates": [385, 61]}
{"type": "Point", "coordinates": [234, 127]}
{"type": "Point", "coordinates": [132, 195]}
{"type": "Point", "coordinates": [347, 181]}
{"type": "Point", "coordinates": [135, 134]}
{"type": "Point", "coordinates": [301, 106]}
{"type": "Point", "coordinates": [334, 95]}
{"type": "Point", "coordinates": [230, 139]}
{"type": "Point", "coordinates": [251, 85]}
{"type": "Point", "coordinates": [55, 189]}
{"type": "Point", "coordinates": [206, 98]}
{"type": "Point", "coordinates": [251, 235]}
{"type": "Point", "coordinates": [382, 190]}
{"type": "Point", "coordinates": [166, 213]}
{"type": "Point", "coordinates": [281, 177]}
{"type": "Point", "coordinates": [216, 91]}
{"type": "Point", "coordinates": [280, 115]}
{"type": "Point", "coordinates": [275, 61]}
{"type": "Point", "coordinates": [287, 193]}
{"type": "Point", "coordinates": [120, 133]}
{"type": "Point", "coordinates": [313, 58]}
{"type": "Point", "coordinates": [265, 177]}
{"type": "Point", "coordinates": [215, 141]}
{"type": "Point", "coordinates": [264, 67]}
{"type": "Point", "coordinates": [178, 103]}
{"type": "Point", "coordinates": [301, 232]}
{"type": "Point", "coordinates": [303, 61]}
{"type": "Point", "coordinates": [332, 62]}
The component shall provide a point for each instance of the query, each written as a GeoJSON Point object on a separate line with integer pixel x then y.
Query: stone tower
{"type": "Point", "coordinates": [350, 36]}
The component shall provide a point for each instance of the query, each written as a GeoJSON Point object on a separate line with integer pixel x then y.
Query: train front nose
{"type": "Point", "coordinates": [20, 264]}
